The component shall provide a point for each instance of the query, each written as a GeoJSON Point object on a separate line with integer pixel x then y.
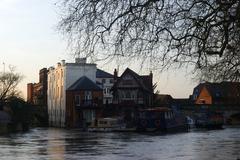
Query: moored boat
{"type": "Point", "coordinates": [107, 125]}
{"type": "Point", "coordinates": [161, 119]}
{"type": "Point", "coordinates": [209, 120]}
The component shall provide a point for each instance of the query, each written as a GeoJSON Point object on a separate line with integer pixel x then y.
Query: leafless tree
{"type": "Point", "coordinates": [8, 84]}
{"type": "Point", "coordinates": [203, 33]}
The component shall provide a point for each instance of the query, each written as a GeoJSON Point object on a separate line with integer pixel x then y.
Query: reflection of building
{"type": "Point", "coordinates": [37, 92]}
{"type": "Point", "coordinates": [59, 80]}
{"type": "Point", "coordinates": [133, 89]}
{"type": "Point", "coordinates": [56, 144]}
{"type": "Point", "coordinates": [84, 99]}
{"type": "Point", "coordinates": [225, 93]}
{"type": "Point", "coordinates": [105, 80]}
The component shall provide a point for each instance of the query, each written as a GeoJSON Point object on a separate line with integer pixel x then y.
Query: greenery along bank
{"type": "Point", "coordinates": [18, 115]}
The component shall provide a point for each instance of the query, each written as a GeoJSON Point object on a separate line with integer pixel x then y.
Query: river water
{"type": "Point", "coordinates": [60, 144]}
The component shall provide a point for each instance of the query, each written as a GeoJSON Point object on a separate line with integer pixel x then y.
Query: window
{"type": "Point", "coordinates": [127, 94]}
{"type": "Point", "coordinates": [106, 91]}
{"type": "Point", "coordinates": [111, 80]}
{"type": "Point", "coordinates": [88, 95]}
{"type": "Point", "coordinates": [57, 92]}
{"type": "Point", "coordinates": [61, 91]}
{"type": "Point", "coordinates": [194, 96]}
{"type": "Point", "coordinates": [62, 73]}
{"type": "Point", "coordinates": [77, 100]}
{"type": "Point", "coordinates": [127, 77]}
{"type": "Point", "coordinates": [103, 81]}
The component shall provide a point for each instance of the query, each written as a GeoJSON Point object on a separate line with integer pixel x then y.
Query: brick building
{"type": "Point", "coordinates": [37, 92]}
{"type": "Point", "coordinates": [84, 101]}
{"type": "Point", "coordinates": [224, 93]}
{"type": "Point", "coordinates": [131, 92]}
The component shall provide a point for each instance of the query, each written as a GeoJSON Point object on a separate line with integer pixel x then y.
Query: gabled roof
{"type": "Point", "coordinates": [102, 74]}
{"type": "Point", "coordinates": [163, 99]}
{"type": "Point", "coordinates": [218, 90]}
{"type": "Point", "coordinates": [84, 83]}
{"type": "Point", "coordinates": [144, 81]}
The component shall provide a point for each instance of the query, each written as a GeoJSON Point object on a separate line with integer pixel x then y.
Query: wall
{"type": "Point", "coordinates": [60, 79]}
{"type": "Point", "coordinates": [204, 97]}
{"type": "Point", "coordinates": [75, 116]}
{"type": "Point", "coordinates": [56, 96]}
{"type": "Point", "coordinates": [107, 93]}
{"type": "Point", "coordinates": [30, 92]}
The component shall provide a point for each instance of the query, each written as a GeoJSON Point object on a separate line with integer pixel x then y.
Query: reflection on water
{"type": "Point", "coordinates": [59, 144]}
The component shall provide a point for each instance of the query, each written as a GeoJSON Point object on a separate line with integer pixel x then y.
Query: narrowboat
{"type": "Point", "coordinates": [209, 120]}
{"type": "Point", "coordinates": [161, 119]}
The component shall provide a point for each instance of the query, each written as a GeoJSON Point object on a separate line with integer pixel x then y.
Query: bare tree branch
{"type": "Point", "coordinates": [203, 32]}
{"type": "Point", "coordinates": [8, 83]}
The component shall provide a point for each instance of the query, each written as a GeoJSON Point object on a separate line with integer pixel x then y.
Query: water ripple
{"type": "Point", "coordinates": [60, 144]}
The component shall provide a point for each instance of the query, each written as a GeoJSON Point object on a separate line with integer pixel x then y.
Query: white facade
{"type": "Point", "coordinates": [106, 84]}
{"type": "Point", "coordinates": [59, 80]}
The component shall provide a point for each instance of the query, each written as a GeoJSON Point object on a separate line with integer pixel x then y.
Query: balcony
{"type": "Point", "coordinates": [88, 103]}
{"type": "Point", "coordinates": [128, 101]}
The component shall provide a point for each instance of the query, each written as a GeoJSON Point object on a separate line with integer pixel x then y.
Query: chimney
{"type": "Point", "coordinates": [151, 74]}
{"type": "Point", "coordinates": [58, 64]}
{"type": "Point", "coordinates": [63, 62]}
{"type": "Point", "coordinates": [51, 68]}
{"type": "Point", "coordinates": [81, 60]}
{"type": "Point", "coordinates": [151, 78]}
{"type": "Point", "coordinates": [115, 75]}
{"type": "Point", "coordinates": [30, 92]}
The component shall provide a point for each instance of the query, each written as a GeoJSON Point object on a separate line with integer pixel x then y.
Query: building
{"type": "Point", "coordinates": [105, 80]}
{"type": "Point", "coordinates": [133, 89]}
{"type": "Point", "coordinates": [131, 92]}
{"type": "Point", "coordinates": [60, 79]}
{"type": "Point", "coordinates": [37, 92]}
{"type": "Point", "coordinates": [224, 93]}
{"type": "Point", "coordinates": [84, 100]}
{"type": "Point", "coordinates": [162, 100]}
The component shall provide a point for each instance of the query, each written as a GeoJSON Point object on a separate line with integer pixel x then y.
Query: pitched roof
{"type": "Point", "coordinates": [229, 90]}
{"type": "Point", "coordinates": [145, 81]}
{"type": "Point", "coordinates": [102, 74]}
{"type": "Point", "coordinates": [84, 83]}
{"type": "Point", "coordinates": [163, 99]}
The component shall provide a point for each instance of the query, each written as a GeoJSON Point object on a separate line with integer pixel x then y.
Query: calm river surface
{"type": "Point", "coordinates": [59, 144]}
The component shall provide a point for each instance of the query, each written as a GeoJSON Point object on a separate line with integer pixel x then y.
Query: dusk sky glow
{"type": "Point", "coordinates": [29, 40]}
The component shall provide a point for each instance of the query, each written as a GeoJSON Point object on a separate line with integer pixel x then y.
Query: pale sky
{"type": "Point", "coordinates": [29, 41]}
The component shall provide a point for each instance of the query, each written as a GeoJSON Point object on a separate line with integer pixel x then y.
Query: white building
{"type": "Point", "coordinates": [105, 81]}
{"type": "Point", "coordinates": [60, 79]}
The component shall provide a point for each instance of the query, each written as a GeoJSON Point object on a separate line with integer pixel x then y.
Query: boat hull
{"type": "Point", "coordinates": [161, 120]}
